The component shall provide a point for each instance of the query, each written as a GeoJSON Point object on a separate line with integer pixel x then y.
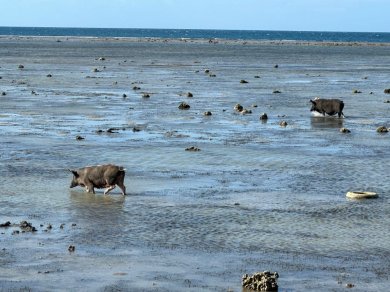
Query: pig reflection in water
{"type": "Point", "coordinates": [99, 176]}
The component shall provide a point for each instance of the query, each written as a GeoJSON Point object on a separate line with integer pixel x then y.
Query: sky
{"type": "Point", "coordinates": [293, 15]}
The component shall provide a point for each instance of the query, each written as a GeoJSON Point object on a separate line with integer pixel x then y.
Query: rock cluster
{"type": "Point", "coordinates": [261, 281]}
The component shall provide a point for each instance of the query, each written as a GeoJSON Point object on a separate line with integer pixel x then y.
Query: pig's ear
{"type": "Point", "coordinates": [74, 172]}
{"type": "Point", "coordinates": [313, 102]}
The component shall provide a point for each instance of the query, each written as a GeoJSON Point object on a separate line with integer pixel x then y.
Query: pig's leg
{"type": "Point", "coordinates": [89, 188]}
{"type": "Point", "coordinates": [123, 188]}
{"type": "Point", "coordinates": [110, 188]}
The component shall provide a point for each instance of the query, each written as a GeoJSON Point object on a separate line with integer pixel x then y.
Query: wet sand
{"type": "Point", "coordinates": [257, 196]}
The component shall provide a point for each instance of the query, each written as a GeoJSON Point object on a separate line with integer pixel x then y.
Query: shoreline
{"type": "Point", "coordinates": [213, 41]}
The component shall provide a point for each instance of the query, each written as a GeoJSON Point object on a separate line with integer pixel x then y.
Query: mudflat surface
{"type": "Point", "coordinates": [257, 196]}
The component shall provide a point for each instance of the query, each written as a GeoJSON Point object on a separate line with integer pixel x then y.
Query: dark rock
{"type": "Point", "coordinates": [276, 91]}
{"type": "Point", "coordinates": [136, 88]}
{"type": "Point", "coordinates": [257, 76]}
{"type": "Point", "coordinates": [356, 91]}
{"type": "Point", "coordinates": [49, 75]}
{"type": "Point", "coordinates": [124, 95]}
{"type": "Point", "coordinates": [264, 117]}
{"type": "Point", "coordinates": [243, 81]}
{"type": "Point", "coordinates": [189, 94]}
{"type": "Point", "coordinates": [208, 113]}
{"type": "Point", "coordinates": [184, 106]}
{"type": "Point", "coordinates": [382, 129]}
{"type": "Point", "coordinates": [146, 95]}
{"type": "Point", "coordinates": [21, 66]}
{"type": "Point", "coordinates": [71, 248]}
{"type": "Point", "coordinates": [192, 148]}
{"type": "Point", "coordinates": [213, 75]}
{"type": "Point", "coordinates": [238, 107]}
{"type": "Point", "coordinates": [113, 130]}
{"type": "Point", "coordinates": [276, 66]}
{"type": "Point", "coordinates": [3, 93]}
{"type": "Point", "coordinates": [6, 224]}
{"type": "Point", "coordinates": [387, 91]}
{"type": "Point", "coordinates": [78, 137]}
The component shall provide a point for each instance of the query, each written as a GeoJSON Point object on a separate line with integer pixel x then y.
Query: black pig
{"type": "Point", "coordinates": [327, 106]}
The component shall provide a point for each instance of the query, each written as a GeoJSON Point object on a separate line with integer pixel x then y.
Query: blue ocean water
{"type": "Point", "coordinates": [374, 37]}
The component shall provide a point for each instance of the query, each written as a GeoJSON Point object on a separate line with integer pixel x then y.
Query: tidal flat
{"type": "Point", "coordinates": [255, 196]}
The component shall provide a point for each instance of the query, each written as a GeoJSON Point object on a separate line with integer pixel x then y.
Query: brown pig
{"type": "Point", "coordinates": [99, 176]}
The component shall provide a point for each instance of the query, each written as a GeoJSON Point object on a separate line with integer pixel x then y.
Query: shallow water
{"type": "Point", "coordinates": [256, 197]}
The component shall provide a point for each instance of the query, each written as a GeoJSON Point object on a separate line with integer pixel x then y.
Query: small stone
{"type": "Point", "coordinates": [349, 285]}
{"type": "Point", "coordinates": [345, 130]}
{"type": "Point", "coordinates": [243, 81]}
{"type": "Point", "coordinates": [208, 113]}
{"type": "Point", "coordinates": [283, 124]}
{"type": "Point", "coordinates": [62, 226]}
{"type": "Point", "coordinates": [246, 111]}
{"type": "Point", "coordinates": [136, 88]}
{"type": "Point", "coordinates": [189, 94]}
{"type": "Point", "coordinates": [386, 101]}
{"type": "Point", "coordinates": [79, 138]}
{"type": "Point", "coordinates": [257, 76]}
{"type": "Point", "coordinates": [276, 91]}
{"type": "Point", "coordinates": [71, 248]}
{"type": "Point", "coordinates": [145, 95]}
{"type": "Point", "coordinates": [207, 71]}
{"type": "Point", "coordinates": [124, 95]}
{"type": "Point", "coordinates": [213, 75]}
{"type": "Point", "coordinates": [356, 91]}
{"type": "Point", "coordinates": [49, 75]}
{"type": "Point", "coordinates": [387, 91]}
{"type": "Point", "coordinates": [95, 70]}
{"type": "Point", "coordinates": [3, 93]}
{"type": "Point", "coordinates": [21, 66]}
{"type": "Point", "coordinates": [102, 59]}
{"type": "Point", "coordinates": [276, 66]}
